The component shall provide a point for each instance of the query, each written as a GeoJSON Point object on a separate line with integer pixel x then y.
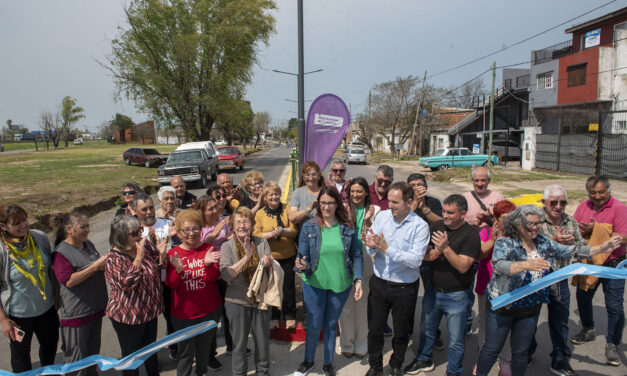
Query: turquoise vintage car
{"type": "Point", "coordinates": [455, 157]}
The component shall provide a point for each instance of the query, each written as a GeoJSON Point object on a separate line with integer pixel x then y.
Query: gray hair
{"type": "Point", "coordinates": [121, 226]}
{"type": "Point", "coordinates": [594, 180]}
{"type": "Point", "coordinates": [140, 197]}
{"type": "Point", "coordinates": [164, 189]}
{"type": "Point", "coordinates": [472, 175]}
{"type": "Point", "coordinates": [386, 170]}
{"type": "Point", "coordinates": [554, 190]}
{"type": "Point", "coordinates": [518, 218]}
{"type": "Point", "coordinates": [337, 161]}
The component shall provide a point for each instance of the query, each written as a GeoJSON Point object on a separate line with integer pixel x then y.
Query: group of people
{"type": "Point", "coordinates": [233, 255]}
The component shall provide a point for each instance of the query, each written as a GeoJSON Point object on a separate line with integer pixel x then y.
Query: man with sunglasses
{"type": "Point", "coordinates": [562, 228]}
{"type": "Point", "coordinates": [602, 208]}
{"type": "Point", "coordinates": [336, 178]}
{"type": "Point", "coordinates": [379, 188]}
{"type": "Point", "coordinates": [186, 199]}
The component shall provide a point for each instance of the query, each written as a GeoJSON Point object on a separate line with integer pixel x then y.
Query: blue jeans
{"type": "Point", "coordinates": [613, 289]}
{"type": "Point", "coordinates": [428, 301]}
{"type": "Point", "coordinates": [323, 308]}
{"type": "Point", "coordinates": [498, 326]}
{"type": "Point", "coordinates": [453, 306]}
{"type": "Point", "coordinates": [558, 326]}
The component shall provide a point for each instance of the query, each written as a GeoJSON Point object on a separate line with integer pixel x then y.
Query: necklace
{"type": "Point", "coordinates": [27, 251]}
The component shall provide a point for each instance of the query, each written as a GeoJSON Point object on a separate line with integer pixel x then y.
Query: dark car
{"type": "Point", "coordinates": [193, 165]}
{"type": "Point", "coordinates": [147, 157]}
{"type": "Point", "coordinates": [230, 157]}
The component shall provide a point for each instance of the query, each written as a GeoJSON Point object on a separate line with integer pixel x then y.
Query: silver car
{"type": "Point", "coordinates": [355, 156]}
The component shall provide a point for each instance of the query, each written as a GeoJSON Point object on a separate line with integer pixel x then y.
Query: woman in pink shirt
{"type": "Point", "coordinates": [488, 236]}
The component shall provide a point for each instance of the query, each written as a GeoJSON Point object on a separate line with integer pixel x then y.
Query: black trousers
{"type": "Point", "coordinates": [227, 332]}
{"type": "Point", "coordinates": [288, 305]}
{"type": "Point", "coordinates": [400, 299]}
{"type": "Point", "coordinates": [46, 328]}
{"type": "Point", "coordinates": [133, 338]}
{"type": "Point", "coordinates": [167, 312]}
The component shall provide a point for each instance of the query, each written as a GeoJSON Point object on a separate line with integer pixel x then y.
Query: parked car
{"type": "Point", "coordinates": [78, 141]}
{"type": "Point", "coordinates": [193, 165]}
{"type": "Point", "coordinates": [147, 157]}
{"type": "Point", "coordinates": [230, 157]}
{"type": "Point", "coordinates": [220, 143]}
{"type": "Point", "coordinates": [355, 144]}
{"type": "Point", "coordinates": [356, 155]}
{"type": "Point", "coordinates": [455, 157]}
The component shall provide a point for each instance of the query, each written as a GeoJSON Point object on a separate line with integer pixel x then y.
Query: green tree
{"type": "Point", "coordinates": [70, 113]}
{"type": "Point", "coordinates": [292, 128]}
{"type": "Point", "coordinates": [120, 122]}
{"type": "Point", "coordinates": [237, 122]}
{"type": "Point", "coordinates": [186, 61]}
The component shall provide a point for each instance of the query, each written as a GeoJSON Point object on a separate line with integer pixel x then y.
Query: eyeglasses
{"type": "Point", "coordinates": [329, 203]}
{"type": "Point", "coordinates": [561, 202]}
{"type": "Point", "coordinates": [383, 182]}
{"type": "Point", "coordinates": [311, 175]}
{"type": "Point", "coordinates": [338, 170]}
{"type": "Point", "coordinates": [189, 230]}
{"type": "Point", "coordinates": [135, 233]}
{"type": "Point", "coordinates": [125, 193]}
{"type": "Point", "coordinates": [533, 224]}
{"type": "Point", "coordinates": [219, 196]}
{"type": "Point", "coordinates": [242, 223]}
{"type": "Point", "coordinates": [257, 184]}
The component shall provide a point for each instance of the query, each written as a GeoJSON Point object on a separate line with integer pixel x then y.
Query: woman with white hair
{"type": "Point", "coordinates": [520, 257]}
{"type": "Point", "coordinates": [169, 205]}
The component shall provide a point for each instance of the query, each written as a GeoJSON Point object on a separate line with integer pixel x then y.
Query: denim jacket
{"type": "Point", "coordinates": [309, 246]}
{"type": "Point", "coordinates": [508, 250]}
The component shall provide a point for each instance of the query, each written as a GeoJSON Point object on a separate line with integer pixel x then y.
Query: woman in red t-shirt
{"type": "Point", "coordinates": [192, 274]}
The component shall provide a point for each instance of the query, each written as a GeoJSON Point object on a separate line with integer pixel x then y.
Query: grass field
{"type": "Point", "coordinates": [58, 180]}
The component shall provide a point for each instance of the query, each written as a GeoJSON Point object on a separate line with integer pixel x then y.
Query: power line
{"type": "Point", "coordinates": [520, 42]}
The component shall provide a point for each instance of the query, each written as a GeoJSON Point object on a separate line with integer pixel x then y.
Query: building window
{"type": "Point", "coordinates": [576, 75]}
{"type": "Point", "coordinates": [508, 83]}
{"type": "Point", "coordinates": [545, 80]}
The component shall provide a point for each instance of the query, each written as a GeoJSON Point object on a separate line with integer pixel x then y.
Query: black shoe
{"type": "Point", "coordinates": [418, 366]}
{"type": "Point", "coordinates": [374, 372]}
{"type": "Point", "coordinates": [585, 335]}
{"type": "Point", "coordinates": [304, 368]}
{"type": "Point", "coordinates": [438, 345]}
{"type": "Point", "coordinates": [396, 372]}
{"type": "Point", "coordinates": [328, 370]}
{"type": "Point", "coordinates": [174, 353]}
{"type": "Point", "coordinates": [566, 371]}
{"type": "Point", "coordinates": [213, 364]}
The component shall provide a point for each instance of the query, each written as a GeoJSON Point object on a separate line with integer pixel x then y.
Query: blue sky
{"type": "Point", "coordinates": [49, 49]}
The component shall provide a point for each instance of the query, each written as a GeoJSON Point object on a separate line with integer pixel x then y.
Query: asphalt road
{"type": "Point", "coordinates": [587, 359]}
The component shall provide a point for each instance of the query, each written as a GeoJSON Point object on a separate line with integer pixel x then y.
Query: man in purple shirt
{"type": "Point", "coordinates": [602, 208]}
{"type": "Point", "coordinates": [379, 188]}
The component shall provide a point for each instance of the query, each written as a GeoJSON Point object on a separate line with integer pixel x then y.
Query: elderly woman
{"type": "Point", "coordinates": [240, 257]}
{"type": "Point", "coordinates": [79, 268]}
{"type": "Point", "coordinates": [129, 191]}
{"type": "Point", "coordinates": [133, 272]}
{"type": "Point", "coordinates": [219, 194]}
{"type": "Point", "coordinates": [192, 274]}
{"type": "Point", "coordinates": [519, 258]}
{"type": "Point", "coordinates": [331, 263]}
{"type": "Point", "coordinates": [273, 224]}
{"type": "Point", "coordinates": [253, 184]}
{"type": "Point", "coordinates": [354, 318]}
{"type": "Point", "coordinates": [169, 205]}
{"type": "Point", "coordinates": [303, 201]}
{"type": "Point", "coordinates": [26, 289]}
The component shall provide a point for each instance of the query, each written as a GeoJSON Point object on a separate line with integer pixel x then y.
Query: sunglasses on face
{"type": "Point", "coordinates": [561, 202]}
{"type": "Point", "coordinates": [219, 196]}
{"type": "Point", "coordinates": [383, 182]}
{"type": "Point", "coordinates": [125, 193]}
{"type": "Point", "coordinates": [338, 170]}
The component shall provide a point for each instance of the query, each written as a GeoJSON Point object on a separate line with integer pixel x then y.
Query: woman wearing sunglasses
{"type": "Point", "coordinates": [330, 261]}
{"type": "Point", "coordinates": [192, 275]}
{"type": "Point", "coordinates": [129, 191]}
{"type": "Point", "coordinates": [520, 257]}
{"type": "Point", "coordinates": [253, 184]}
{"type": "Point", "coordinates": [224, 205]}
{"type": "Point", "coordinates": [133, 273]}
{"type": "Point", "coordinates": [354, 319]}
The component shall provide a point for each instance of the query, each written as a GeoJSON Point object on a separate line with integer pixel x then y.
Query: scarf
{"type": "Point", "coordinates": [248, 270]}
{"type": "Point", "coordinates": [27, 251]}
{"type": "Point", "coordinates": [275, 213]}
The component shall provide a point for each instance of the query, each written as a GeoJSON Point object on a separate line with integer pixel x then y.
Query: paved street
{"type": "Point", "coordinates": [588, 359]}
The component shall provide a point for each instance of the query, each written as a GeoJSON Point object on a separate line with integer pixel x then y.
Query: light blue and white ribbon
{"type": "Point", "coordinates": [131, 361]}
{"type": "Point", "coordinates": [620, 272]}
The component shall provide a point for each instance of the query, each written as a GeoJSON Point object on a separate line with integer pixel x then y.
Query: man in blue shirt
{"type": "Point", "coordinates": [397, 241]}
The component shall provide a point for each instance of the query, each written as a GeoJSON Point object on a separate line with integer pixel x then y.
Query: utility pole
{"type": "Point", "coordinates": [491, 114]}
{"type": "Point", "coordinates": [418, 109]}
{"type": "Point", "coordinates": [301, 88]}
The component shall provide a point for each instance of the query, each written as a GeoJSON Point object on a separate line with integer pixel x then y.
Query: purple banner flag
{"type": "Point", "coordinates": [327, 123]}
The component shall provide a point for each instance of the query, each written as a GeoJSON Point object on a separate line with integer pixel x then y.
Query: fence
{"type": "Point", "coordinates": [588, 142]}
